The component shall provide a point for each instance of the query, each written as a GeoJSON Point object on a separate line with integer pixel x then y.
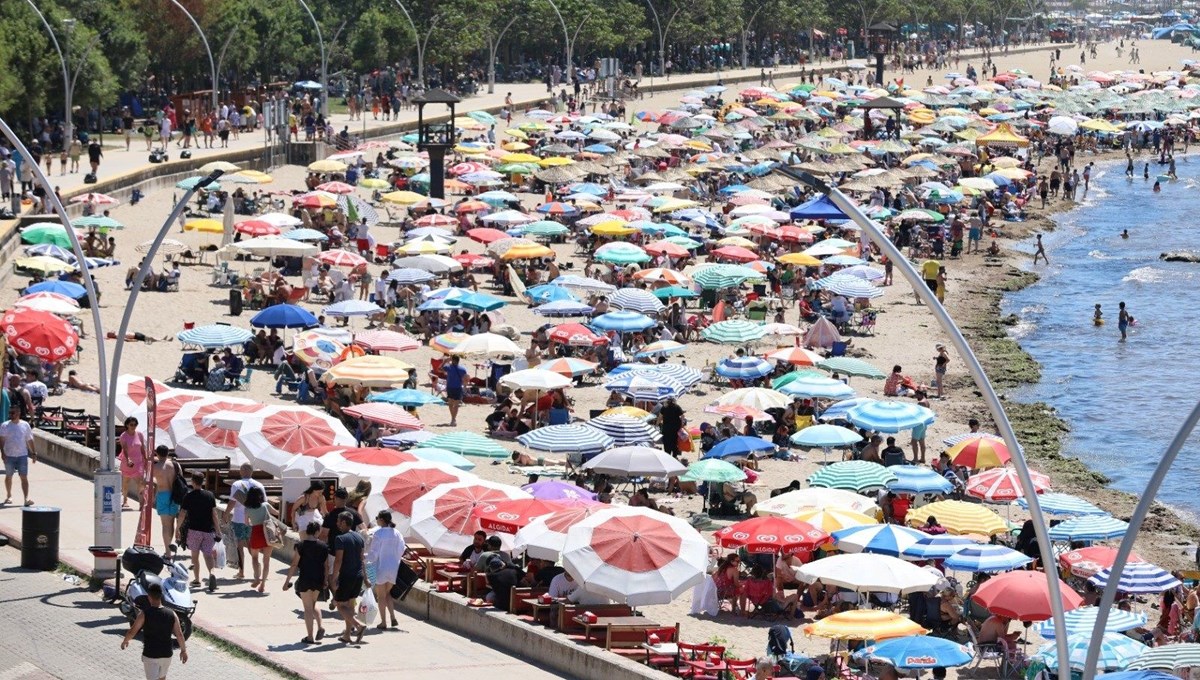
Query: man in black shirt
{"type": "Point", "coordinates": [157, 625]}
{"type": "Point", "coordinates": [502, 578]}
{"type": "Point", "coordinates": [349, 574]}
{"type": "Point", "coordinates": [671, 422]}
{"type": "Point", "coordinates": [472, 552]}
{"type": "Point", "coordinates": [892, 454]}
{"type": "Point", "coordinates": [330, 529]}
{"type": "Point", "coordinates": [198, 512]}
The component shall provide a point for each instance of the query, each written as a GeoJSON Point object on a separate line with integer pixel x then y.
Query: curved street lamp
{"type": "Point", "coordinates": [212, 65]}
{"type": "Point", "coordinates": [68, 128]}
{"type": "Point", "coordinates": [324, 62]}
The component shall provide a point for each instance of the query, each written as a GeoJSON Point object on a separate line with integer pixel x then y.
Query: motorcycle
{"type": "Point", "coordinates": [146, 564]}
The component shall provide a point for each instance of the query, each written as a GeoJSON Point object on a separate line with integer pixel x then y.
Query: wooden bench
{"type": "Point", "coordinates": [517, 605]}
{"type": "Point", "coordinates": [567, 613]}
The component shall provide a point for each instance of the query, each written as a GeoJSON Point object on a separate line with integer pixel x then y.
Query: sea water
{"type": "Point", "coordinates": [1123, 401]}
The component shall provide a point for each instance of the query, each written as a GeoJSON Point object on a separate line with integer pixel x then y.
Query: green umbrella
{"type": "Point", "coordinates": [713, 470]}
{"type": "Point", "coordinates": [518, 168]}
{"type": "Point", "coordinates": [467, 444]}
{"type": "Point", "coordinates": [736, 332]}
{"type": "Point", "coordinates": [674, 292]}
{"type": "Point", "coordinates": [46, 232]}
{"type": "Point", "coordinates": [852, 475]}
{"type": "Point", "coordinates": [850, 366]}
{"type": "Point", "coordinates": [191, 182]}
{"type": "Point", "coordinates": [795, 375]}
{"type": "Point", "coordinates": [544, 228]}
{"type": "Point", "coordinates": [622, 253]}
{"type": "Point", "coordinates": [725, 276]}
{"type": "Point", "coordinates": [483, 117]}
{"type": "Point", "coordinates": [683, 242]}
{"type": "Point", "coordinates": [98, 221]}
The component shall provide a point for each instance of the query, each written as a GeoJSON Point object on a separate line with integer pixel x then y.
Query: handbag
{"type": "Point", "coordinates": [179, 488]}
{"type": "Point", "coordinates": [273, 531]}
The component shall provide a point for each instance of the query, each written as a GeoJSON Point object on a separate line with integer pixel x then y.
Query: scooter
{"type": "Point", "coordinates": [146, 565]}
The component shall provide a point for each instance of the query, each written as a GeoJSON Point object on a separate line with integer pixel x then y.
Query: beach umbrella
{"type": "Point", "coordinates": [741, 446]}
{"type": "Point", "coordinates": [796, 356]}
{"type": "Point", "coordinates": [440, 456]}
{"type": "Point", "coordinates": [1083, 621]}
{"type": "Point", "coordinates": [168, 406]}
{"type": "Point", "coordinates": [479, 302]}
{"type": "Point", "coordinates": [445, 342]}
{"type": "Point", "coordinates": [771, 535]}
{"type": "Point", "coordinates": [623, 322]}
{"type": "Point", "coordinates": [389, 415]}
{"type": "Point", "coordinates": [439, 265]}
{"type": "Point", "coordinates": [305, 235]}
{"type": "Point", "coordinates": [410, 276]}
{"type": "Point", "coordinates": [195, 433]}
{"type": "Point", "coordinates": [936, 547]}
{"type": "Point", "coordinates": [53, 303]}
{"type": "Point", "coordinates": [1140, 675]}
{"type": "Point", "coordinates": [406, 483]}
{"type": "Point", "coordinates": [851, 367]}
{"type": "Point", "coordinates": [584, 283]}
{"type": "Point", "coordinates": [830, 519]}
{"type": "Point", "coordinates": [97, 221]}
{"type": "Point", "coordinates": [40, 334]}
{"type": "Point", "coordinates": [467, 444]}
{"type": "Point", "coordinates": [214, 336]}
{"type": "Point", "coordinates": [557, 490]}
{"type": "Point", "coordinates": [724, 276]}
{"type": "Point", "coordinates": [914, 479]}
{"type": "Point", "coordinates": [575, 335]}
{"type": "Point", "coordinates": [571, 368]}
{"type": "Point", "coordinates": [66, 288]}
{"type": "Point", "coordinates": [131, 397]}
{"type": "Point", "coordinates": [443, 519]}
{"type": "Point", "coordinates": [547, 292]}
{"type": "Point", "coordinates": [890, 416]}
{"type": "Point", "coordinates": [316, 350]}
{"type": "Point", "coordinates": [864, 624]}
{"type": "Point", "coordinates": [866, 572]}
{"type": "Point", "coordinates": [636, 461]}
{"type": "Point", "coordinates": [385, 341]}
{"type": "Point", "coordinates": [635, 555]}
{"type": "Point", "coordinates": [284, 316]}
{"type": "Point", "coordinates": [348, 308]}
{"type": "Point", "coordinates": [45, 232]}
{"type": "Point", "coordinates": [849, 286]}
{"type": "Point", "coordinates": [685, 375]}
{"type": "Point", "coordinates": [661, 347]}
{"type": "Point", "coordinates": [852, 475]}
{"type": "Point", "coordinates": [544, 537]}
{"type": "Point", "coordinates": [1002, 485]}
{"type": "Point", "coordinates": [961, 517]}
{"type": "Point", "coordinates": [568, 438]}
{"type": "Point", "coordinates": [713, 470]}
{"type": "Point", "coordinates": [1089, 528]}
{"type": "Point", "coordinates": [1138, 577]}
{"type": "Point", "coordinates": [44, 265]}
{"type": "Point", "coordinates": [757, 397]}
{"type": "Point", "coordinates": [496, 348]}
{"type": "Point", "coordinates": [537, 379]}
{"type": "Point", "coordinates": [1023, 595]}
{"type": "Point", "coordinates": [744, 368]}
{"type": "Point", "coordinates": [272, 435]}
{"type": "Point", "coordinates": [273, 246]}
{"type": "Point", "coordinates": [351, 464]}
{"type": "Point", "coordinates": [734, 332]}
{"type": "Point", "coordinates": [510, 516]}
{"type": "Point", "coordinates": [1087, 561]}
{"type": "Point", "coordinates": [646, 386]}
{"type": "Point", "coordinates": [883, 539]}
{"type": "Point", "coordinates": [413, 438]}
{"type": "Point", "coordinates": [822, 334]}
{"type": "Point", "coordinates": [256, 228]}
{"type": "Point", "coordinates": [793, 502]}
{"type": "Point", "coordinates": [987, 559]}
{"type": "Point", "coordinates": [1056, 503]}
{"type": "Point", "coordinates": [816, 387]}
{"type": "Point", "coordinates": [337, 257]}
{"type": "Point", "coordinates": [980, 453]}
{"type": "Point", "coordinates": [920, 651]}
{"type": "Point", "coordinates": [632, 299]}
{"type": "Point", "coordinates": [1168, 657]}
{"type": "Point", "coordinates": [369, 370]}
{"type": "Point", "coordinates": [1116, 651]}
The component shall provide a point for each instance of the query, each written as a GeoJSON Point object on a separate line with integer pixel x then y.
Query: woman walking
{"type": "Point", "coordinates": [384, 551]}
{"type": "Point", "coordinates": [309, 560]}
{"type": "Point", "coordinates": [257, 512]}
{"type": "Point", "coordinates": [308, 507]}
{"type": "Point", "coordinates": [133, 461]}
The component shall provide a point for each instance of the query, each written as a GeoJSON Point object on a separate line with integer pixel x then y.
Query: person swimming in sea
{"type": "Point", "coordinates": [1123, 322]}
{"type": "Point", "coordinates": [1098, 316]}
{"type": "Point", "coordinates": [1157, 186]}
{"type": "Point", "coordinates": [1146, 171]}
{"type": "Point", "coordinates": [1125, 234]}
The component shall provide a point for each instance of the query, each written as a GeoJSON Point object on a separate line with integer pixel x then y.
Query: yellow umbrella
{"type": "Point", "coordinates": [737, 241]}
{"type": "Point", "coordinates": [963, 518]}
{"type": "Point", "coordinates": [864, 624]}
{"type": "Point", "coordinates": [1013, 173]}
{"type": "Point", "coordinates": [697, 144]}
{"type": "Point", "coordinates": [205, 226]}
{"type": "Point", "coordinates": [519, 134]}
{"type": "Point", "coordinates": [374, 183]}
{"type": "Point", "coordinates": [799, 259]}
{"type": "Point", "coordinates": [369, 370]}
{"type": "Point", "coordinates": [424, 248]}
{"type": "Point", "coordinates": [534, 125]}
{"type": "Point", "coordinates": [675, 204]}
{"type": "Point", "coordinates": [1100, 125]}
{"type": "Point", "coordinates": [467, 123]}
{"type": "Point", "coordinates": [613, 228]}
{"type": "Point", "coordinates": [527, 252]}
{"type": "Point", "coordinates": [327, 166]}
{"type": "Point", "coordinates": [259, 177]}
{"type": "Point", "coordinates": [631, 411]}
{"type": "Point", "coordinates": [516, 146]}
{"type": "Point", "coordinates": [44, 264]}
{"type": "Point", "coordinates": [402, 197]}
{"type": "Point", "coordinates": [842, 149]}
{"type": "Point", "coordinates": [554, 161]}
{"type": "Point", "coordinates": [921, 116]}
{"type": "Point", "coordinates": [519, 158]}
{"type": "Point", "coordinates": [830, 519]}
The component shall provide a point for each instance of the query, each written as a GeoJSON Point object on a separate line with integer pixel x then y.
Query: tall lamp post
{"type": "Point", "coordinates": [324, 61]}
{"type": "Point", "coordinates": [435, 138]}
{"type": "Point", "coordinates": [880, 37]}
{"type": "Point", "coordinates": [212, 65]}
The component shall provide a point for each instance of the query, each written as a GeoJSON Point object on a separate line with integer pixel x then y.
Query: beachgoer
{"type": "Point", "coordinates": [133, 461]}
{"type": "Point", "coordinates": [235, 511]}
{"type": "Point", "coordinates": [257, 512]}
{"type": "Point", "coordinates": [455, 375]}
{"type": "Point", "coordinates": [16, 439]}
{"type": "Point", "coordinates": [309, 560]}
{"type": "Point", "coordinates": [158, 625]}
{"type": "Point", "coordinates": [1123, 319]}
{"type": "Point", "coordinates": [349, 572]}
{"type": "Point", "coordinates": [1040, 252]}
{"type": "Point", "coordinates": [198, 512]}
{"type": "Point", "coordinates": [166, 469]}
{"type": "Point", "coordinates": [385, 549]}
{"type": "Point", "coordinates": [1098, 316]}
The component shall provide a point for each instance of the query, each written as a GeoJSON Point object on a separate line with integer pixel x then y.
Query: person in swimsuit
{"type": "Point", "coordinates": [1040, 252]}
{"type": "Point", "coordinates": [133, 460]}
{"type": "Point", "coordinates": [165, 471]}
{"type": "Point", "coordinates": [1123, 320]}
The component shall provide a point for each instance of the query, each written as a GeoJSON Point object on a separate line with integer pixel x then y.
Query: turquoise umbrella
{"type": "Point", "coordinates": [483, 117]}
{"type": "Point", "coordinates": [467, 444]}
{"type": "Point", "coordinates": [442, 456]}
{"type": "Point", "coordinates": [850, 366]}
{"type": "Point", "coordinates": [191, 182]}
{"type": "Point", "coordinates": [674, 292]}
{"type": "Point", "coordinates": [544, 228]}
{"type": "Point", "coordinates": [97, 221]}
{"type": "Point", "coordinates": [713, 470]}
{"type": "Point", "coordinates": [852, 475]}
{"type": "Point", "coordinates": [724, 276]}
{"type": "Point", "coordinates": [622, 253]}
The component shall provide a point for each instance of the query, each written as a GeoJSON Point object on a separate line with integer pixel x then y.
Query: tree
{"type": "Point", "coordinates": [664, 14]}
{"type": "Point", "coordinates": [498, 17]}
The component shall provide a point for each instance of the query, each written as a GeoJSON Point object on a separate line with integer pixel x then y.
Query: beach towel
{"type": "Point", "coordinates": [704, 598]}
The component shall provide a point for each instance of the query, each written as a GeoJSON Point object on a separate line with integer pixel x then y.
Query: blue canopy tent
{"type": "Point", "coordinates": [819, 208]}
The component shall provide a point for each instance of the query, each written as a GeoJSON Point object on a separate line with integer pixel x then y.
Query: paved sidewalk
{"type": "Point", "coordinates": [271, 624]}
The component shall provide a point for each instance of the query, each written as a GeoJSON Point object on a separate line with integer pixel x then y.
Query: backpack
{"type": "Point", "coordinates": [779, 640]}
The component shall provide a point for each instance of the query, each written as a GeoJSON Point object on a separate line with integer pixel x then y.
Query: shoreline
{"type": "Point", "coordinates": [1167, 533]}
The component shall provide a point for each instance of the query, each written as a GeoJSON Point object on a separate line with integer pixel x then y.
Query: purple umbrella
{"type": "Point", "coordinates": [554, 490]}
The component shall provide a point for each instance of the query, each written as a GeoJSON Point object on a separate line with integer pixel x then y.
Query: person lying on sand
{"type": "Point", "coordinates": [74, 382]}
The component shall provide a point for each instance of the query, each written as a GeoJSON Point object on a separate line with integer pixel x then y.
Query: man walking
{"type": "Point", "coordinates": [198, 512]}
{"type": "Point", "coordinates": [157, 625]}
{"type": "Point", "coordinates": [16, 438]}
{"type": "Point", "coordinates": [165, 472]}
{"type": "Point", "coordinates": [349, 573]}
{"type": "Point", "coordinates": [331, 529]}
{"type": "Point", "coordinates": [455, 375]}
{"type": "Point", "coordinates": [236, 509]}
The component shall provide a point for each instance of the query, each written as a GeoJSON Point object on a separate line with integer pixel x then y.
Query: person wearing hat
{"type": "Point", "coordinates": [940, 362]}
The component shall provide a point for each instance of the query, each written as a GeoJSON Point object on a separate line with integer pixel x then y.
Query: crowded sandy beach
{"type": "Point", "coordinates": [741, 345]}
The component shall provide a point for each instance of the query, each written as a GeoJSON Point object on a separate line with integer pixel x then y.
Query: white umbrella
{"type": "Point", "coordinates": [442, 519]}
{"type": "Point", "coordinates": [488, 346]}
{"type": "Point", "coordinates": [281, 220]}
{"type": "Point", "coordinates": [793, 502]}
{"type": "Point", "coordinates": [1062, 125]}
{"type": "Point", "coordinates": [131, 396]}
{"type": "Point", "coordinates": [353, 464]}
{"type": "Point", "coordinates": [760, 398]}
{"type": "Point", "coordinates": [868, 572]}
{"type": "Point", "coordinates": [434, 264]}
{"type": "Point", "coordinates": [636, 461]}
{"type": "Point", "coordinates": [635, 555]}
{"type": "Point", "coordinates": [544, 537]}
{"type": "Point", "coordinates": [536, 379]}
{"type": "Point", "coordinates": [274, 246]}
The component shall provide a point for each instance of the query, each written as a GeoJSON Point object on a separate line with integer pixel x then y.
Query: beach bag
{"type": "Point", "coordinates": [779, 640]}
{"type": "Point", "coordinates": [274, 532]}
{"type": "Point", "coordinates": [367, 607]}
{"type": "Point", "coordinates": [220, 557]}
{"type": "Point", "coordinates": [179, 488]}
{"type": "Point", "coordinates": [406, 578]}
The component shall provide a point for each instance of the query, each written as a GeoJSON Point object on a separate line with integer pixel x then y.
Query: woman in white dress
{"type": "Point", "coordinates": [384, 550]}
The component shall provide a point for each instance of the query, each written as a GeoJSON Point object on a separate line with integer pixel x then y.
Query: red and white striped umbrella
{"type": "Point", "coordinates": [336, 188]}
{"type": "Point", "coordinates": [55, 303]}
{"type": "Point", "coordinates": [168, 406]}
{"type": "Point", "coordinates": [256, 228]}
{"type": "Point", "coordinates": [511, 516]}
{"type": "Point", "coordinates": [195, 435]}
{"type": "Point", "coordinates": [1002, 485]}
{"type": "Point", "coordinates": [341, 258]}
{"type": "Point", "coordinates": [659, 274]}
{"type": "Point", "coordinates": [39, 334]}
{"type": "Point", "coordinates": [468, 167]}
{"type": "Point", "coordinates": [353, 464]}
{"type": "Point", "coordinates": [544, 537]}
{"type": "Point", "coordinates": [272, 436]}
{"type": "Point", "coordinates": [386, 341]}
{"type": "Point", "coordinates": [635, 555]}
{"type": "Point", "coordinates": [436, 220]}
{"type": "Point", "coordinates": [388, 415]}
{"type": "Point", "coordinates": [411, 481]}
{"type": "Point", "coordinates": [131, 397]}
{"type": "Point", "coordinates": [443, 519]}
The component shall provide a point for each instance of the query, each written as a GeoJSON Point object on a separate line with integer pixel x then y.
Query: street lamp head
{"type": "Point", "coordinates": [212, 177]}
{"type": "Point", "coordinates": [435, 134]}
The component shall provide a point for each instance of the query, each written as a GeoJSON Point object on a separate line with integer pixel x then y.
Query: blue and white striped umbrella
{"type": "Point", "coordinates": [1138, 577]}
{"type": "Point", "coordinates": [569, 438]}
{"type": "Point", "coordinates": [937, 547]}
{"type": "Point", "coordinates": [1056, 503]}
{"type": "Point", "coordinates": [352, 308]}
{"type": "Point", "coordinates": [444, 234]}
{"type": "Point", "coordinates": [1083, 621]}
{"type": "Point", "coordinates": [1117, 651]}
{"type": "Point", "coordinates": [849, 286]}
{"type": "Point", "coordinates": [636, 300]}
{"type": "Point", "coordinates": [839, 410]}
{"type": "Point", "coordinates": [305, 234]}
{"type": "Point", "coordinates": [1089, 528]}
{"type": "Point", "coordinates": [51, 250]}
{"type": "Point", "coordinates": [916, 479]}
{"type": "Point", "coordinates": [826, 437]}
{"type": "Point", "coordinates": [685, 375]}
{"type": "Point", "coordinates": [882, 539]}
{"type": "Point", "coordinates": [623, 322]}
{"type": "Point", "coordinates": [215, 336]}
{"type": "Point", "coordinates": [435, 306]}
{"type": "Point", "coordinates": [410, 276]}
{"type": "Point", "coordinates": [584, 283]}
{"type": "Point", "coordinates": [745, 368]}
{"type": "Point", "coordinates": [626, 430]}
{"type": "Point", "coordinates": [987, 558]}
{"type": "Point", "coordinates": [890, 416]}
{"type": "Point", "coordinates": [549, 292]}
{"type": "Point", "coordinates": [564, 308]}
{"type": "Point", "coordinates": [813, 387]}
{"type": "Point", "coordinates": [645, 386]}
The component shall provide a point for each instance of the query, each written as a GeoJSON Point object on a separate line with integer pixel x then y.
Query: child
{"type": "Point", "coordinates": [1098, 316]}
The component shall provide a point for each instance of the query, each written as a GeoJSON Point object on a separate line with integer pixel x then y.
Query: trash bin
{"type": "Point", "coordinates": [39, 538]}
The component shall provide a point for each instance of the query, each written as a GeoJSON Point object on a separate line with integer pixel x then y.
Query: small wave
{"type": "Point", "coordinates": [1021, 329]}
{"type": "Point", "coordinates": [1032, 309]}
{"type": "Point", "coordinates": [1099, 255]}
{"type": "Point", "coordinates": [1145, 275]}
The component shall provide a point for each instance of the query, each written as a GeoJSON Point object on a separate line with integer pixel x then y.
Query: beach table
{"type": "Point", "coordinates": [703, 668]}
{"type": "Point", "coordinates": [538, 607]}
{"type": "Point", "coordinates": [456, 580]}
{"type": "Point", "coordinates": [611, 624]}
